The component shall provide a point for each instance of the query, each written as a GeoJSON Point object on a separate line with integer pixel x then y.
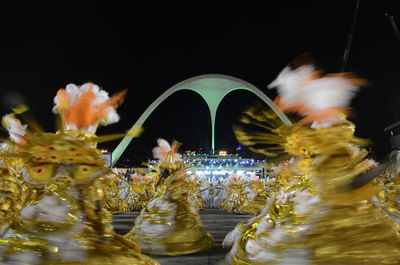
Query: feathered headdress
{"type": "Point", "coordinates": [82, 109]}
{"type": "Point", "coordinates": [167, 155]}
{"type": "Point", "coordinates": [320, 99]}
{"type": "Point", "coordinates": [85, 107]}
{"type": "Point", "coordinates": [14, 127]}
{"type": "Point", "coordinates": [161, 151]}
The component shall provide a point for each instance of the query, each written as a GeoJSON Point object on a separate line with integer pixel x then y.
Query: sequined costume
{"type": "Point", "coordinates": [281, 223]}
{"type": "Point", "coordinates": [116, 189]}
{"type": "Point", "coordinates": [67, 223]}
{"type": "Point", "coordinates": [317, 217]}
{"type": "Point", "coordinates": [15, 192]}
{"type": "Point", "coordinates": [142, 190]}
{"type": "Point", "coordinates": [236, 195]}
{"type": "Point", "coordinates": [388, 197]}
{"type": "Point", "coordinates": [244, 195]}
{"type": "Point", "coordinates": [195, 198]}
{"type": "Point", "coordinates": [212, 193]}
{"type": "Point", "coordinates": [256, 197]}
{"type": "Point", "coordinates": [170, 224]}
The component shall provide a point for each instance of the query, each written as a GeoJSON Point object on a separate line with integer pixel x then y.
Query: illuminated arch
{"type": "Point", "coordinates": [212, 88]}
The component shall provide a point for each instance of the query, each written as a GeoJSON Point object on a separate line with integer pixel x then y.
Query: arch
{"type": "Point", "coordinates": [212, 88]}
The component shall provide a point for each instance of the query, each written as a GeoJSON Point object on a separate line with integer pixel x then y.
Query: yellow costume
{"type": "Point", "coordinates": [66, 224]}
{"type": "Point", "coordinates": [15, 192]}
{"type": "Point", "coordinates": [256, 197]}
{"type": "Point", "coordinates": [113, 188]}
{"type": "Point", "coordinates": [244, 195]}
{"type": "Point", "coordinates": [142, 189]}
{"type": "Point", "coordinates": [170, 223]}
{"type": "Point", "coordinates": [389, 197]}
{"type": "Point", "coordinates": [274, 235]}
{"type": "Point", "coordinates": [195, 198]}
{"type": "Point", "coordinates": [316, 217]}
{"type": "Point", "coordinates": [236, 195]}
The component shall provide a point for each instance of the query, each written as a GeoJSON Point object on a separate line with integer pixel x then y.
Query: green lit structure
{"type": "Point", "coordinates": [212, 88]}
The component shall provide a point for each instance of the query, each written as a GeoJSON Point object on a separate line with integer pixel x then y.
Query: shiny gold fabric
{"type": "Point", "coordinates": [194, 197]}
{"type": "Point", "coordinates": [236, 197]}
{"type": "Point", "coordinates": [256, 204]}
{"type": "Point", "coordinates": [112, 195]}
{"type": "Point", "coordinates": [98, 238]}
{"type": "Point", "coordinates": [88, 137]}
{"type": "Point", "coordinates": [389, 196]}
{"type": "Point", "coordinates": [66, 216]}
{"type": "Point", "coordinates": [141, 193]}
{"type": "Point", "coordinates": [346, 227]}
{"type": "Point", "coordinates": [239, 201]}
{"type": "Point", "coordinates": [279, 215]}
{"type": "Point", "coordinates": [15, 192]}
{"type": "Point", "coordinates": [184, 231]}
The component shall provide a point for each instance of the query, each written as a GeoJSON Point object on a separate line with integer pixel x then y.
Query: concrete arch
{"type": "Point", "coordinates": [212, 88]}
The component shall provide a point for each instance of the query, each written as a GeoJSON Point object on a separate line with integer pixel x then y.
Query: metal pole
{"type": "Point", "coordinates": [350, 37]}
{"type": "Point", "coordinates": [396, 30]}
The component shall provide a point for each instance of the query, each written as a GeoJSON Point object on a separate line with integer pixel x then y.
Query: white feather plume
{"type": "Point", "coordinates": [100, 96]}
{"type": "Point", "coordinates": [299, 86]}
{"type": "Point", "coordinates": [289, 81]}
{"type": "Point", "coordinates": [328, 92]}
{"type": "Point", "coordinates": [160, 151]}
{"type": "Point", "coordinates": [14, 127]}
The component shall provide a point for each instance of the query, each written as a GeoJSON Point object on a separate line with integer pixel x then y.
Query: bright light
{"type": "Point", "coordinates": [222, 153]}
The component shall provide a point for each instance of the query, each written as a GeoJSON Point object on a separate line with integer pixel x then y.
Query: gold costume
{"type": "Point", "coordinates": [388, 198]}
{"type": "Point", "coordinates": [195, 198]}
{"type": "Point", "coordinates": [244, 196]}
{"type": "Point", "coordinates": [66, 222]}
{"type": "Point", "coordinates": [256, 197]}
{"type": "Point", "coordinates": [170, 223]}
{"type": "Point", "coordinates": [315, 217]}
{"type": "Point", "coordinates": [112, 187]}
{"type": "Point", "coordinates": [141, 193]}
{"type": "Point", "coordinates": [15, 192]}
{"type": "Point", "coordinates": [236, 196]}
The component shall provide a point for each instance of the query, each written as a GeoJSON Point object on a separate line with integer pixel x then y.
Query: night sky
{"type": "Point", "coordinates": [149, 46]}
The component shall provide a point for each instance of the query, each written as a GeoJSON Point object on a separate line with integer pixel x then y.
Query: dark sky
{"type": "Point", "coordinates": [148, 46]}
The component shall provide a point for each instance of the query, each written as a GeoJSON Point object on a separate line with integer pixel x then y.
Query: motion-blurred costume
{"type": "Point", "coordinates": [256, 196]}
{"type": "Point", "coordinates": [388, 197]}
{"type": "Point", "coordinates": [170, 223]}
{"type": "Point", "coordinates": [67, 224]}
{"type": "Point", "coordinates": [318, 216]}
{"type": "Point", "coordinates": [117, 190]}
{"type": "Point", "coordinates": [15, 192]}
{"type": "Point", "coordinates": [212, 192]}
{"type": "Point", "coordinates": [236, 194]}
{"type": "Point", "coordinates": [244, 195]}
{"type": "Point", "coordinates": [195, 197]}
{"type": "Point", "coordinates": [142, 190]}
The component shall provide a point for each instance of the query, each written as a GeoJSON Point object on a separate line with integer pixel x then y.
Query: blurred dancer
{"type": "Point", "coordinates": [67, 224]}
{"type": "Point", "coordinates": [318, 216]}
{"type": "Point", "coordinates": [170, 223]}
{"type": "Point", "coordinates": [15, 191]}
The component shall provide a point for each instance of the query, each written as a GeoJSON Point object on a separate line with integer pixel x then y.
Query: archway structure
{"type": "Point", "coordinates": [212, 88]}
